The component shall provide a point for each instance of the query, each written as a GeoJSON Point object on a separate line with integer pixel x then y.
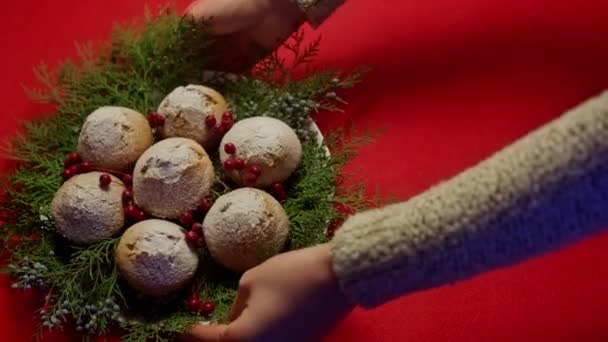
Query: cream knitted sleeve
{"type": "Point", "coordinates": [546, 190]}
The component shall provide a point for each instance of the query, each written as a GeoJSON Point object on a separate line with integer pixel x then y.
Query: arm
{"type": "Point", "coordinates": [544, 191]}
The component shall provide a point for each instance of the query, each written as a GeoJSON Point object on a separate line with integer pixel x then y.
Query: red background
{"type": "Point", "coordinates": [454, 81]}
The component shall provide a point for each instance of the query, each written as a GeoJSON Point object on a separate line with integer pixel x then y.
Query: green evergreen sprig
{"type": "Point", "coordinates": [137, 69]}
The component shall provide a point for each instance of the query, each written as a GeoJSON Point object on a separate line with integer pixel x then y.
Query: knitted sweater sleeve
{"type": "Point", "coordinates": [546, 190]}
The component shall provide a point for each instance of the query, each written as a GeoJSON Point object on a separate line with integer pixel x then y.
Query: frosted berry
{"type": "Point", "coordinates": [210, 121]}
{"type": "Point", "coordinates": [207, 308]}
{"type": "Point", "coordinates": [105, 180]}
{"type": "Point", "coordinates": [127, 179]}
{"type": "Point", "coordinates": [230, 148]}
{"type": "Point", "coordinates": [194, 304]}
{"type": "Point", "coordinates": [205, 204]}
{"type": "Point", "coordinates": [186, 218]}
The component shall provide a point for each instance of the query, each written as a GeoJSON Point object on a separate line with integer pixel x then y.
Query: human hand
{"type": "Point", "coordinates": [293, 296]}
{"type": "Point", "coordinates": [248, 29]}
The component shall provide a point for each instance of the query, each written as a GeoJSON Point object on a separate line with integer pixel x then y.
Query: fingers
{"type": "Point", "coordinates": [240, 303]}
{"type": "Point", "coordinates": [241, 330]}
{"type": "Point", "coordinates": [205, 333]}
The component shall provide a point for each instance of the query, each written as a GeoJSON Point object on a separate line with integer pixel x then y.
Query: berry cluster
{"type": "Point", "coordinates": [248, 173]}
{"type": "Point", "coordinates": [132, 211]}
{"type": "Point", "coordinates": [73, 165]}
{"type": "Point", "coordinates": [51, 319]}
{"type": "Point", "coordinates": [195, 237]}
{"type": "Point", "coordinates": [195, 305]}
{"type": "Point", "coordinates": [292, 108]}
{"type": "Point", "coordinates": [87, 317]}
{"type": "Point", "coordinates": [28, 275]}
{"type": "Point", "coordinates": [226, 122]}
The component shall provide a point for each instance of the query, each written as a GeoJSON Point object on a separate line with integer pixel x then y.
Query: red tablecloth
{"type": "Point", "coordinates": [454, 81]}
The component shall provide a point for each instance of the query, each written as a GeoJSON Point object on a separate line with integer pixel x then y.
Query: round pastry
{"type": "Point", "coordinates": [171, 177]}
{"type": "Point", "coordinates": [186, 111]}
{"type": "Point", "coordinates": [244, 228]}
{"type": "Point", "coordinates": [86, 212]}
{"type": "Point", "coordinates": [267, 149]}
{"type": "Point", "coordinates": [154, 257]}
{"type": "Point", "coordinates": [114, 137]}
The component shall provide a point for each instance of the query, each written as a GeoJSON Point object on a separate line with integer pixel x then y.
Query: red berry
{"type": "Point", "coordinates": [230, 148]}
{"type": "Point", "coordinates": [194, 304]}
{"type": "Point", "coordinates": [277, 188]}
{"type": "Point", "coordinates": [281, 196]}
{"type": "Point", "coordinates": [205, 204]}
{"type": "Point", "coordinates": [219, 129]}
{"type": "Point", "coordinates": [186, 218]}
{"type": "Point", "coordinates": [67, 174]}
{"type": "Point", "coordinates": [255, 170]}
{"type": "Point", "coordinates": [200, 243]}
{"type": "Point", "coordinates": [229, 164]}
{"type": "Point", "coordinates": [74, 169]}
{"type": "Point", "coordinates": [239, 164]}
{"type": "Point", "coordinates": [191, 237]}
{"type": "Point", "coordinates": [128, 180]}
{"type": "Point", "coordinates": [197, 228]}
{"type": "Point", "coordinates": [207, 308]}
{"type": "Point", "coordinates": [85, 167]}
{"type": "Point", "coordinates": [210, 121]}
{"type": "Point", "coordinates": [127, 196]}
{"type": "Point", "coordinates": [227, 123]}
{"type": "Point", "coordinates": [71, 159]}
{"type": "Point", "coordinates": [131, 211]}
{"type": "Point", "coordinates": [228, 116]}
{"type": "Point", "coordinates": [105, 180]}
{"type": "Point", "coordinates": [156, 120]}
{"type": "Point", "coordinates": [140, 216]}
{"type": "Point", "coordinates": [249, 178]}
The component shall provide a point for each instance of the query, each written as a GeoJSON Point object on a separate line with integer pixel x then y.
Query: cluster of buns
{"type": "Point", "coordinates": [242, 229]}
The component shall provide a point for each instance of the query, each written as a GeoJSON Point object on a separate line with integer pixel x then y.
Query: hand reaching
{"type": "Point", "coordinates": [248, 29]}
{"type": "Point", "coordinates": [291, 297]}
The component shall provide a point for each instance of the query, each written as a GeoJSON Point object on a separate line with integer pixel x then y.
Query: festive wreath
{"type": "Point", "coordinates": [145, 223]}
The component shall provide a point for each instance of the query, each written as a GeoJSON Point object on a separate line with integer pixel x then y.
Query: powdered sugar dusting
{"type": "Point", "coordinates": [244, 228]}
